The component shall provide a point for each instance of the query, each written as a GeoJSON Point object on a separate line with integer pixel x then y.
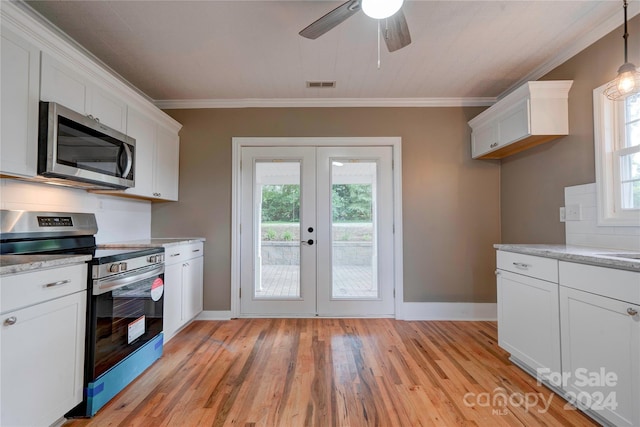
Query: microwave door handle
{"type": "Point", "coordinates": [127, 150]}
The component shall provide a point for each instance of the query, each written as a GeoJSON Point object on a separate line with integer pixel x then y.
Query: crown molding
{"type": "Point", "coordinates": [610, 24]}
{"type": "Point", "coordinates": [323, 102]}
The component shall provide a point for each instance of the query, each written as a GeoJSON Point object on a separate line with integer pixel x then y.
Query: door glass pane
{"type": "Point", "coordinates": [277, 192]}
{"type": "Point", "coordinates": [353, 229]}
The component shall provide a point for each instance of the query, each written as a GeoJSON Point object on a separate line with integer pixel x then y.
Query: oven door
{"type": "Point", "coordinates": [126, 313]}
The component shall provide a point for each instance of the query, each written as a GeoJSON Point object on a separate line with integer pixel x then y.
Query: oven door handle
{"type": "Point", "coordinates": [102, 287]}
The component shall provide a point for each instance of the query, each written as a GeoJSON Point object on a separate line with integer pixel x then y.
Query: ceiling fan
{"type": "Point", "coordinates": [394, 27]}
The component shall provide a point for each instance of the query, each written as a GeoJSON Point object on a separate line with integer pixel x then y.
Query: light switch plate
{"type": "Point", "coordinates": [563, 214]}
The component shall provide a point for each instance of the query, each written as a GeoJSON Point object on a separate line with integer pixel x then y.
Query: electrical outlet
{"type": "Point", "coordinates": [563, 214]}
{"type": "Point", "coordinates": [573, 213]}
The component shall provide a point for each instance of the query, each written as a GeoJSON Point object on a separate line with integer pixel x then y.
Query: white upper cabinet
{"type": "Point", "coordinates": [39, 65]}
{"type": "Point", "coordinates": [156, 159]}
{"type": "Point", "coordinates": [61, 84]}
{"type": "Point", "coordinates": [143, 130]}
{"type": "Point", "coordinates": [535, 113]}
{"type": "Point", "coordinates": [166, 169]}
{"type": "Point", "coordinates": [20, 69]}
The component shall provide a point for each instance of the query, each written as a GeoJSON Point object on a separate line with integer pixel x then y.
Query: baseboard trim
{"type": "Point", "coordinates": [449, 311]}
{"type": "Point", "coordinates": [411, 311]}
{"type": "Point", "coordinates": [214, 315]}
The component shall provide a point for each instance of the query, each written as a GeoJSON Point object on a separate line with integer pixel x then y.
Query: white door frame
{"type": "Point", "coordinates": [236, 209]}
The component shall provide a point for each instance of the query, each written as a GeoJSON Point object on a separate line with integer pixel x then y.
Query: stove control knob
{"type": "Point", "coordinates": [123, 266]}
{"type": "Point", "coordinates": [114, 268]}
{"type": "Point", "coordinates": [152, 258]}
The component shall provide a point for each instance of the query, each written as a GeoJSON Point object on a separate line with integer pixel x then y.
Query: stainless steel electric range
{"type": "Point", "coordinates": [125, 297]}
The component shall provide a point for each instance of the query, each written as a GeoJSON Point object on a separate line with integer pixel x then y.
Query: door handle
{"type": "Point", "coordinates": [307, 242]}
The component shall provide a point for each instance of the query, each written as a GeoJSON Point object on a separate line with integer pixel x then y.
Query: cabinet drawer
{"type": "Point", "coordinates": [179, 253]}
{"type": "Point", "coordinates": [25, 289]}
{"type": "Point", "coordinates": [529, 265]}
{"type": "Point", "coordinates": [622, 285]}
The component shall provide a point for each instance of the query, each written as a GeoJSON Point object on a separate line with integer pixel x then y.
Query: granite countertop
{"type": "Point", "coordinates": [152, 243]}
{"type": "Point", "coordinates": [579, 254]}
{"type": "Point", "coordinates": [10, 264]}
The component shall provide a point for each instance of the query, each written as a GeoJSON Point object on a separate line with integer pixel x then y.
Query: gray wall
{"type": "Point", "coordinates": [451, 203]}
{"type": "Point", "coordinates": [532, 182]}
{"type": "Point", "coordinates": [455, 208]}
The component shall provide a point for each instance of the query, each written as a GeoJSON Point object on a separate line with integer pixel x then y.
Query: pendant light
{"type": "Point", "coordinates": [380, 9]}
{"type": "Point", "coordinates": [628, 80]}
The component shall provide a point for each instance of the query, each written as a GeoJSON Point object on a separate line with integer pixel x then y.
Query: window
{"type": "Point", "coordinates": [627, 153]}
{"type": "Point", "coordinates": [617, 149]}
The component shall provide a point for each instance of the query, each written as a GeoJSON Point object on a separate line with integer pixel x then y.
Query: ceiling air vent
{"type": "Point", "coordinates": [321, 84]}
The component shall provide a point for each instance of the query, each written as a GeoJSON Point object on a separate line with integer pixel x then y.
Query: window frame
{"type": "Point", "coordinates": [608, 129]}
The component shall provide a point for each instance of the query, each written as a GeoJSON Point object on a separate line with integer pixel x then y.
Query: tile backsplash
{"type": "Point", "coordinates": [586, 232]}
{"type": "Point", "coordinates": [119, 219]}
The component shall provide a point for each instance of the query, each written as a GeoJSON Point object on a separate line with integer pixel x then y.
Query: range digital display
{"type": "Point", "coordinates": [55, 221]}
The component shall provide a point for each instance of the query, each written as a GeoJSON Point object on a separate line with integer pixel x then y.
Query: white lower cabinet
{"type": "Point", "coordinates": [601, 342]}
{"type": "Point", "coordinates": [528, 311]}
{"type": "Point", "coordinates": [183, 277]}
{"type": "Point", "coordinates": [529, 321]}
{"type": "Point", "coordinates": [583, 331]}
{"type": "Point", "coordinates": [42, 345]}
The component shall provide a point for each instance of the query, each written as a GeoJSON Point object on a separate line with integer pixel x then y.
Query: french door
{"type": "Point", "coordinates": [316, 231]}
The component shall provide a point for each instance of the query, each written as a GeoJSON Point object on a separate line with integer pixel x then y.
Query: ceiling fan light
{"type": "Point", "coordinates": [380, 9]}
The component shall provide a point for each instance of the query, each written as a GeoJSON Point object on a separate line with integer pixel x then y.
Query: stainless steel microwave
{"type": "Point", "coordinates": [77, 149]}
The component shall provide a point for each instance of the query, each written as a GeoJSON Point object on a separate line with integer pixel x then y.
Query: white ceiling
{"type": "Point", "coordinates": [235, 53]}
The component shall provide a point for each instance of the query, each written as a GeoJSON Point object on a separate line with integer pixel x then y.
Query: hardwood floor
{"type": "Point", "coordinates": [335, 372]}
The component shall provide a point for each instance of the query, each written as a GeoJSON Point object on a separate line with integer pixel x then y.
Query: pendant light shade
{"type": "Point", "coordinates": [380, 9]}
{"type": "Point", "coordinates": [628, 80]}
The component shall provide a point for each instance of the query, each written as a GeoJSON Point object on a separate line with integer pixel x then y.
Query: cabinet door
{"type": "Point", "coordinates": [514, 124]}
{"type": "Point", "coordinates": [107, 108]}
{"type": "Point", "coordinates": [192, 288]}
{"type": "Point", "coordinates": [42, 361]}
{"type": "Point", "coordinates": [601, 341]}
{"type": "Point", "coordinates": [484, 139]}
{"type": "Point", "coordinates": [62, 85]}
{"type": "Point", "coordinates": [172, 313]}
{"type": "Point", "coordinates": [20, 70]}
{"type": "Point", "coordinates": [529, 320]}
{"type": "Point", "coordinates": [143, 130]}
{"type": "Point", "coordinates": [166, 165]}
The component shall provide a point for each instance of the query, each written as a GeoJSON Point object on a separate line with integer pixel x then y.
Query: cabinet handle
{"type": "Point", "coordinates": [196, 250]}
{"type": "Point", "coordinates": [11, 321]}
{"type": "Point", "coordinates": [177, 254]}
{"type": "Point", "coordinates": [60, 283]}
{"type": "Point", "coordinates": [632, 311]}
{"type": "Point", "coordinates": [495, 144]}
{"type": "Point", "coordinates": [521, 265]}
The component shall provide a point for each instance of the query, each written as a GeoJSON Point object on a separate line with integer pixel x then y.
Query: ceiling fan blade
{"type": "Point", "coordinates": [331, 19]}
{"type": "Point", "coordinates": [396, 32]}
